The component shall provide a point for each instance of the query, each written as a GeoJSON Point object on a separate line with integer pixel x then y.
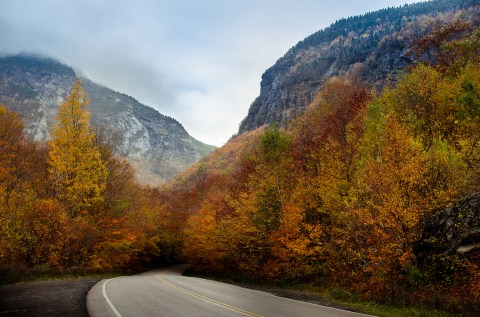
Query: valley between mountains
{"type": "Point", "coordinates": [355, 175]}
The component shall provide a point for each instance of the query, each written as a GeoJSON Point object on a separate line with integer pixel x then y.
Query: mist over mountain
{"type": "Point", "coordinates": [372, 47]}
{"type": "Point", "coordinates": [157, 145]}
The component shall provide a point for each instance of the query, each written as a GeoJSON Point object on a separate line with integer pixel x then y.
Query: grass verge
{"type": "Point", "coordinates": [327, 296]}
{"type": "Point", "coordinates": [11, 274]}
{"type": "Point", "coordinates": [22, 274]}
{"type": "Point", "coordinates": [342, 298]}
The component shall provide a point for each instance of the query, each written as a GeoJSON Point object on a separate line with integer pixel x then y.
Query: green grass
{"type": "Point", "coordinates": [343, 298]}
{"type": "Point", "coordinates": [387, 310]}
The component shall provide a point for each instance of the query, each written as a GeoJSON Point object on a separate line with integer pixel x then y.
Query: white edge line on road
{"type": "Point", "coordinates": [300, 301]}
{"type": "Point", "coordinates": [269, 294]}
{"type": "Point", "coordinates": [117, 314]}
{"type": "Point", "coordinates": [289, 299]}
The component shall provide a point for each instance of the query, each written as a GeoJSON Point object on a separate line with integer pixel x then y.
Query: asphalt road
{"type": "Point", "coordinates": [168, 293]}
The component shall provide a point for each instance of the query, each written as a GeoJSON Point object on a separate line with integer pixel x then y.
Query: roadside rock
{"type": "Point", "coordinates": [452, 231]}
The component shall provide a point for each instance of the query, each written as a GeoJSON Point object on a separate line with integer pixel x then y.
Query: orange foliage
{"type": "Point", "coordinates": [342, 193]}
{"type": "Point", "coordinates": [37, 228]}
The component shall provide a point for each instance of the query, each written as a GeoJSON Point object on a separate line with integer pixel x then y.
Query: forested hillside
{"type": "Point", "coordinates": [341, 195]}
{"type": "Point", "coordinates": [374, 45]}
{"type": "Point", "coordinates": [71, 203]}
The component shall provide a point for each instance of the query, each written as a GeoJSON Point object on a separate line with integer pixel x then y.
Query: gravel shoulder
{"type": "Point", "coordinates": [46, 298]}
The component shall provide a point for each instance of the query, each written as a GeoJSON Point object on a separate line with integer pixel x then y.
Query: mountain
{"type": "Point", "coordinates": [372, 46]}
{"type": "Point", "coordinates": [158, 146]}
{"type": "Point", "coordinates": [341, 195]}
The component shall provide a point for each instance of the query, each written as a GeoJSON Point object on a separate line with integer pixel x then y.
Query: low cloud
{"type": "Point", "coordinates": [197, 61]}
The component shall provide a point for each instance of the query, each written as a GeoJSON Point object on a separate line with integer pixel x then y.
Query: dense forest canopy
{"type": "Point", "coordinates": [71, 202]}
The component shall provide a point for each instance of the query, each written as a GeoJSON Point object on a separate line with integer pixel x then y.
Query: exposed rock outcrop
{"type": "Point", "coordinates": [374, 46]}
{"type": "Point", "coordinates": [452, 231]}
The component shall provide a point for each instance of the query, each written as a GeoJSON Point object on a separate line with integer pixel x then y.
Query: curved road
{"type": "Point", "coordinates": [168, 293]}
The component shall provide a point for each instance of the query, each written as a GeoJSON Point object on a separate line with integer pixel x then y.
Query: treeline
{"type": "Point", "coordinates": [71, 203]}
{"type": "Point", "coordinates": [340, 196]}
{"type": "Point", "coordinates": [394, 15]}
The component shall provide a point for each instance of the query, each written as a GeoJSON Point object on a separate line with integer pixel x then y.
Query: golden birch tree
{"type": "Point", "coordinates": [76, 169]}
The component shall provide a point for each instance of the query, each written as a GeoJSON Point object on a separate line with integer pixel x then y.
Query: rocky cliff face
{"type": "Point", "coordinates": [157, 145]}
{"type": "Point", "coordinates": [373, 46]}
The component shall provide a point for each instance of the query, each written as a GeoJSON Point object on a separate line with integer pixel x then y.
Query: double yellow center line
{"type": "Point", "coordinates": [209, 300]}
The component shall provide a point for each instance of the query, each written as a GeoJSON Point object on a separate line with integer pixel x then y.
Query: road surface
{"type": "Point", "coordinates": [168, 293]}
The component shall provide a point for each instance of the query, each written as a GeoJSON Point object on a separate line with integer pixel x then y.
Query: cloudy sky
{"type": "Point", "coordinates": [199, 61]}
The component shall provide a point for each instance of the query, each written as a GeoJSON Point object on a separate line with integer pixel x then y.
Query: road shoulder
{"type": "Point", "coordinates": [53, 298]}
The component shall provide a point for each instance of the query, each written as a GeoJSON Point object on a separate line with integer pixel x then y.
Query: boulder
{"type": "Point", "coordinates": [452, 231]}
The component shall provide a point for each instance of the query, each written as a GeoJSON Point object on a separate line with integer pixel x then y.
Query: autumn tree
{"type": "Point", "coordinates": [341, 194]}
{"type": "Point", "coordinates": [76, 168]}
{"type": "Point", "coordinates": [43, 193]}
{"type": "Point", "coordinates": [273, 170]}
{"type": "Point", "coordinates": [449, 48]}
{"type": "Point", "coordinates": [17, 153]}
{"type": "Point", "coordinates": [467, 99]}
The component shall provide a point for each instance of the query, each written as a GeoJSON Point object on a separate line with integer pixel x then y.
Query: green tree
{"type": "Point", "coordinates": [77, 170]}
{"type": "Point", "coordinates": [273, 170]}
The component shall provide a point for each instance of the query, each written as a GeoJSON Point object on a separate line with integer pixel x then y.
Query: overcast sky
{"type": "Point", "coordinates": [199, 61]}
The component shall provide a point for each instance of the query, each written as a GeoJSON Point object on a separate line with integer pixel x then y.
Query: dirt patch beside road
{"type": "Point", "coordinates": [52, 298]}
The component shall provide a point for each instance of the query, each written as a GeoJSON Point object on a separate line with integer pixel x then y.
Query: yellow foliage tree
{"type": "Point", "coordinates": [76, 168]}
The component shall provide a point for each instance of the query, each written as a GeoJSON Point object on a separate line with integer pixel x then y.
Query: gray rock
{"type": "Point", "coordinates": [375, 44]}
{"type": "Point", "coordinates": [452, 231]}
{"type": "Point", "coordinates": [157, 146]}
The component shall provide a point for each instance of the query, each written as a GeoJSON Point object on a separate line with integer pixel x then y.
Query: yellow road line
{"type": "Point", "coordinates": [212, 301]}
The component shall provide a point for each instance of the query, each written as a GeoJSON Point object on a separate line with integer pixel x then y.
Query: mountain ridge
{"type": "Point", "coordinates": [157, 145]}
{"type": "Point", "coordinates": [373, 45]}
